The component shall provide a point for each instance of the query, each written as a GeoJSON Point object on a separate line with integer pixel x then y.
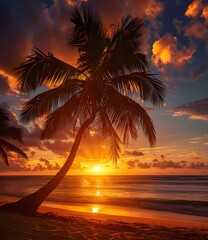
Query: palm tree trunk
{"type": "Point", "coordinates": [28, 205]}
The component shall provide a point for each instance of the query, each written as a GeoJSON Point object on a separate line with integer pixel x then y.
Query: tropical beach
{"type": "Point", "coordinates": [103, 120]}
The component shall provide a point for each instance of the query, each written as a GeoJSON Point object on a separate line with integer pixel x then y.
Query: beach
{"type": "Point", "coordinates": [51, 223]}
{"type": "Point", "coordinates": [110, 207]}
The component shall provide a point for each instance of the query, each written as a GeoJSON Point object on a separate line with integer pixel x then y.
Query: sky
{"type": "Point", "coordinates": [176, 43]}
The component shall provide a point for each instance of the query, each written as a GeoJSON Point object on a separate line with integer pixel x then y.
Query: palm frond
{"type": "Point", "coordinates": [66, 114]}
{"type": "Point", "coordinates": [124, 50]}
{"type": "Point", "coordinates": [11, 132]}
{"type": "Point", "coordinates": [12, 148]}
{"type": "Point", "coordinates": [4, 118]}
{"type": "Point", "coordinates": [4, 155]}
{"type": "Point", "coordinates": [107, 134]}
{"type": "Point", "coordinates": [128, 116]}
{"type": "Point", "coordinates": [48, 101]}
{"type": "Point", "coordinates": [149, 87]}
{"type": "Point", "coordinates": [40, 68]}
{"type": "Point", "coordinates": [88, 36]}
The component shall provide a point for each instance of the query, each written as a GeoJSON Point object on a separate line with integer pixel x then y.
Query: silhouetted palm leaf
{"type": "Point", "coordinates": [40, 68]}
{"type": "Point", "coordinates": [128, 116]}
{"type": "Point", "coordinates": [106, 132]}
{"type": "Point", "coordinates": [11, 132]}
{"type": "Point", "coordinates": [48, 101]}
{"type": "Point", "coordinates": [88, 31]}
{"type": "Point", "coordinates": [150, 88]}
{"type": "Point", "coordinates": [3, 116]}
{"type": "Point", "coordinates": [4, 155]}
{"type": "Point", "coordinates": [12, 148]}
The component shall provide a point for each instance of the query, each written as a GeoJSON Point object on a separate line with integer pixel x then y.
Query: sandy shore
{"type": "Point", "coordinates": [61, 224]}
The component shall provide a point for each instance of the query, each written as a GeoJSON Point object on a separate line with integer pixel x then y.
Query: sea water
{"type": "Point", "coordinates": [124, 195]}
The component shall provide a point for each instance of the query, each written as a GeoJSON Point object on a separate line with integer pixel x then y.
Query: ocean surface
{"type": "Point", "coordinates": [117, 195]}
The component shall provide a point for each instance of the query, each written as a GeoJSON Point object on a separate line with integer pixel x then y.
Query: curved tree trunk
{"type": "Point", "coordinates": [28, 205]}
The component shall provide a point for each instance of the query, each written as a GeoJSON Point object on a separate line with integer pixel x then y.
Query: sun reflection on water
{"type": "Point", "coordinates": [97, 194]}
{"type": "Point", "coordinates": [95, 209]}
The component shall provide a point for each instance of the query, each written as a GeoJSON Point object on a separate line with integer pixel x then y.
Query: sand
{"type": "Point", "coordinates": [60, 224]}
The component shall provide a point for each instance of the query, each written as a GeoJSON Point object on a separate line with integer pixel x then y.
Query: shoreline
{"type": "Point", "coordinates": [162, 218]}
{"type": "Point", "coordinates": [54, 223]}
{"type": "Point", "coordinates": [146, 216]}
{"type": "Point", "coordinates": [59, 225]}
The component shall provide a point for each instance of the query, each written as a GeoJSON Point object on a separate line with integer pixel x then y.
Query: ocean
{"type": "Point", "coordinates": [117, 195]}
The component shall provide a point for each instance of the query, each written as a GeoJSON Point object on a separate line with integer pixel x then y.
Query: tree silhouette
{"type": "Point", "coordinates": [99, 93]}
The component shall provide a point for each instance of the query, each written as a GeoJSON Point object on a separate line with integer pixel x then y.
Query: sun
{"type": "Point", "coordinates": [97, 169]}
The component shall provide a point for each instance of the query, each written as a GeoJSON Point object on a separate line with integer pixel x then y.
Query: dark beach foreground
{"type": "Point", "coordinates": [61, 224]}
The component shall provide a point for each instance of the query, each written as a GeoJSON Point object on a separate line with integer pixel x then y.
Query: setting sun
{"type": "Point", "coordinates": [97, 169]}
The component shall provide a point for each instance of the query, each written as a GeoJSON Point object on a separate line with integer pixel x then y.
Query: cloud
{"type": "Point", "coordinates": [166, 51]}
{"type": "Point", "coordinates": [205, 14]}
{"type": "Point", "coordinates": [59, 147]}
{"type": "Point", "coordinates": [48, 165]}
{"type": "Point", "coordinates": [167, 164]}
{"type": "Point", "coordinates": [144, 165]}
{"type": "Point", "coordinates": [47, 26]}
{"type": "Point", "coordinates": [112, 11]}
{"type": "Point", "coordinates": [197, 110]}
{"type": "Point", "coordinates": [198, 165]}
{"type": "Point", "coordinates": [133, 164]}
{"type": "Point", "coordinates": [134, 153]}
{"type": "Point", "coordinates": [194, 9]}
{"type": "Point", "coordinates": [197, 30]}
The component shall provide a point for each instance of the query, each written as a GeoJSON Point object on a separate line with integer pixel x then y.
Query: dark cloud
{"type": "Point", "coordinates": [133, 164]}
{"type": "Point", "coordinates": [144, 165]}
{"type": "Point", "coordinates": [198, 165]}
{"type": "Point", "coordinates": [167, 164]}
{"type": "Point", "coordinates": [134, 153]}
{"type": "Point", "coordinates": [197, 110]}
{"type": "Point", "coordinates": [59, 147]}
{"type": "Point", "coordinates": [47, 165]}
{"type": "Point", "coordinates": [137, 164]}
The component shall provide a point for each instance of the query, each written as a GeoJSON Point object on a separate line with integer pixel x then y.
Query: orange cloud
{"type": "Point", "coordinates": [165, 51]}
{"type": "Point", "coordinates": [149, 9]}
{"type": "Point", "coordinates": [194, 9]}
{"type": "Point", "coordinates": [153, 9]}
{"type": "Point", "coordinates": [197, 30]}
{"type": "Point", "coordinates": [205, 14]}
{"type": "Point", "coordinates": [10, 79]}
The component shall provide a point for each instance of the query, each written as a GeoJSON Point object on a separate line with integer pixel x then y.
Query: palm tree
{"type": "Point", "coordinates": [11, 132]}
{"type": "Point", "coordinates": [99, 93]}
